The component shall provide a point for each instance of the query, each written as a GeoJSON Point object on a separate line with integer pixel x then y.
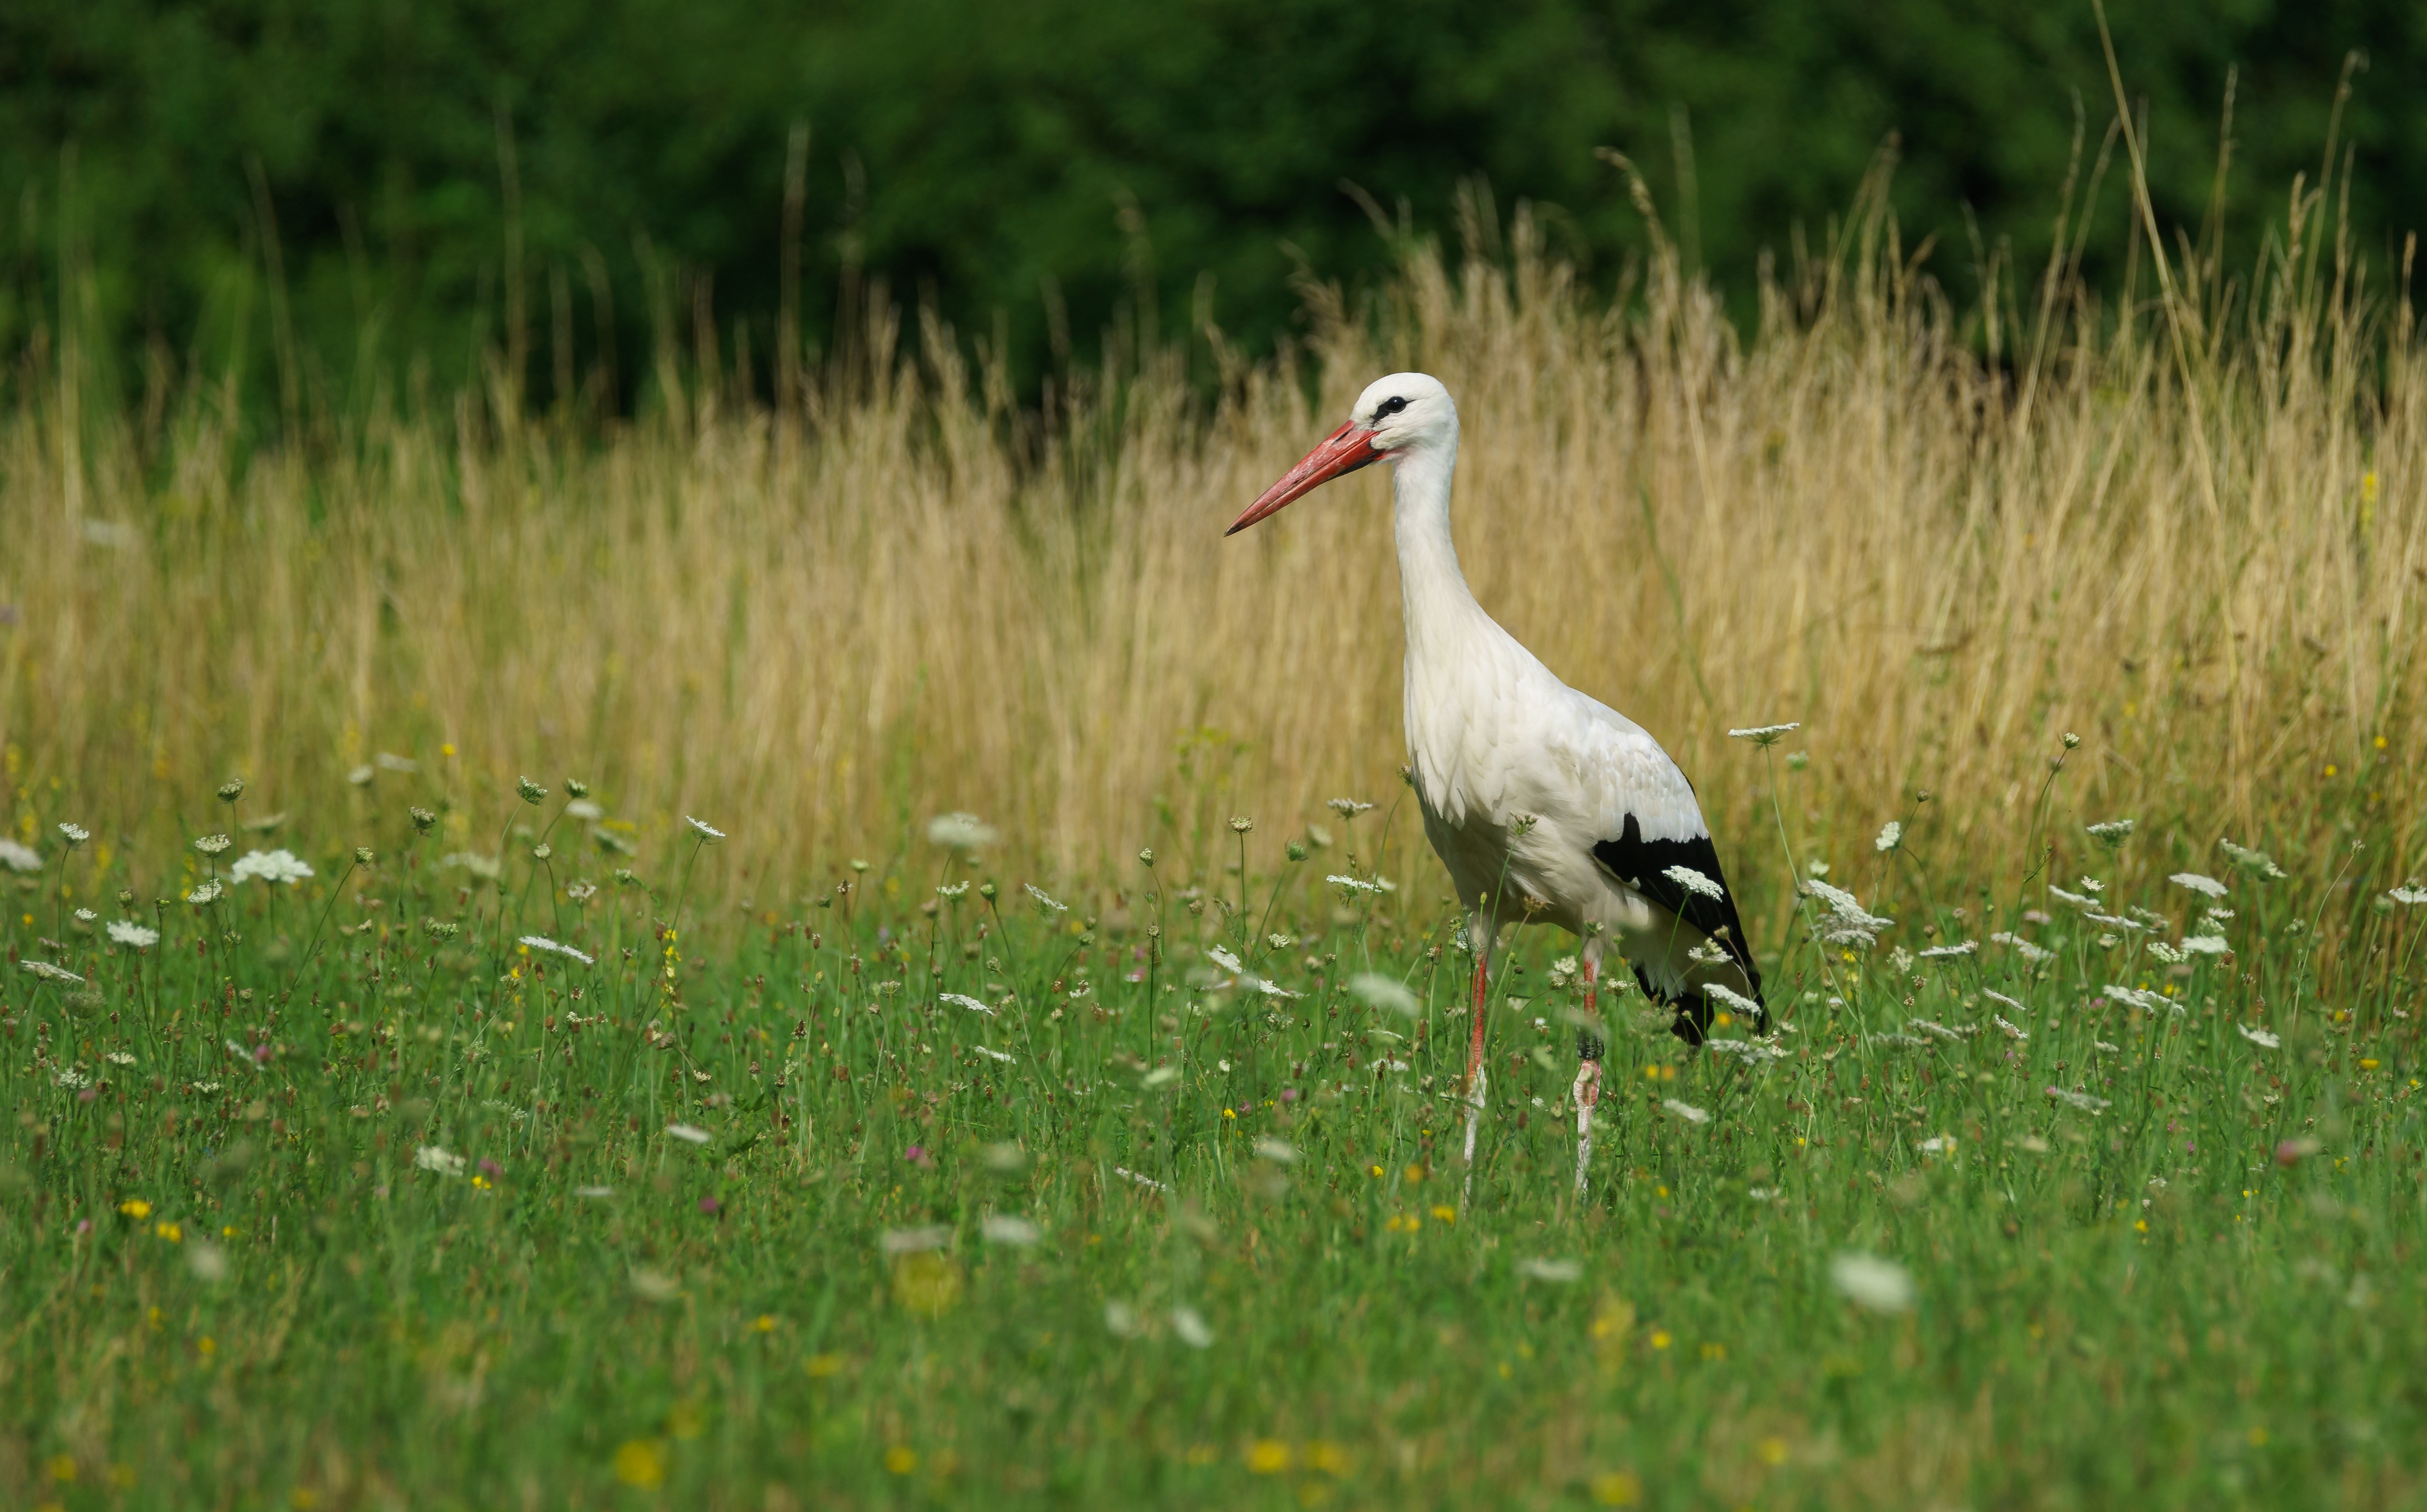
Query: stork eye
{"type": "Point", "coordinates": [1389, 406]}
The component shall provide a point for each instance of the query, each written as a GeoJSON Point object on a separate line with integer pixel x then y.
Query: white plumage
{"type": "Point", "coordinates": [1546, 805]}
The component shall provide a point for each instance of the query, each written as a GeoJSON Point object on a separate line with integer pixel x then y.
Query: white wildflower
{"type": "Point", "coordinates": [958, 831]}
{"type": "Point", "coordinates": [993, 1054]}
{"type": "Point", "coordinates": [1685, 1111]}
{"type": "Point", "coordinates": [1940, 953]}
{"type": "Point", "coordinates": [588, 810]}
{"type": "Point", "coordinates": [2206, 945]}
{"type": "Point", "coordinates": [70, 1078]}
{"type": "Point", "coordinates": [1765, 735]}
{"type": "Point", "coordinates": [1221, 956]}
{"type": "Point", "coordinates": [1353, 883]}
{"type": "Point", "coordinates": [1280, 1152]}
{"type": "Point", "coordinates": [207, 1262]}
{"type": "Point", "coordinates": [432, 1158]}
{"type": "Point", "coordinates": [48, 972]}
{"type": "Point", "coordinates": [2114, 830]}
{"type": "Point", "coordinates": [270, 866]}
{"type": "Point", "coordinates": [487, 867]}
{"type": "Point", "coordinates": [688, 1133]}
{"type": "Point", "coordinates": [1558, 1272]}
{"type": "Point", "coordinates": [119, 1058]}
{"type": "Point", "coordinates": [1348, 808]}
{"type": "Point", "coordinates": [1847, 921]}
{"type": "Point", "coordinates": [2008, 1029]}
{"type": "Point", "coordinates": [1191, 1328]}
{"type": "Point", "coordinates": [541, 942]}
{"type": "Point", "coordinates": [1891, 835]}
{"type": "Point", "coordinates": [707, 832]}
{"type": "Point", "coordinates": [17, 857]}
{"type": "Point", "coordinates": [206, 1088]}
{"type": "Point", "coordinates": [2159, 949]}
{"type": "Point", "coordinates": [1122, 1320]}
{"type": "Point", "coordinates": [1377, 991]}
{"type": "Point", "coordinates": [2257, 863]}
{"type": "Point", "coordinates": [2413, 894]}
{"type": "Point", "coordinates": [960, 1000]}
{"type": "Point", "coordinates": [2028, 952]}
{"type": "Point", "coordinates": [1938, 1145]}
{"type": "Point", "coordinates": [1994, 996]}
{"type": "Point", "coordinates": [951, 889]}
{"type": "Point", "coordinates": [1735, 1001]}
{"type": "Point", "coordinates": [2073, 897]}
{"type": "Point", "coordinates": [74, 835]}
{"type": "Point", "coordinates": [1044, 899]}
{"type": "Point", "coordinates": [1693, 881]}
{"type": "Point", "coordinates": [213, 844]}
{"type": "Point", "coordinates": [1004, 1229]}
{"type": "Point", "coordinates": [2196, 883]}
{"type": "Point", "coordinates": [1868, 1281]}
{"type": "Point", "coordinates": [2264, 1039]}
{"type": "Point", "coordinates": [594, 1193]}
{"type": "Point", "coordinates": [1753, 1053]}
{"type": "Point", "coordinates": [1946, 1032]}
{"type": "Point", "coordinates": [913, 1241]}
{"type": "Point", "coordinates": [2082, 1100]}
{"type": "Point", "coordinates": [1147, 1181]}
{"type": "Point", "coordinates": [207, 893]}
{"type": "Point", "coordinates": [2148, 1002]}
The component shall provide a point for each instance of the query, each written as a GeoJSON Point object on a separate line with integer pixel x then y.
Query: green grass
{"type": "Point", "coordinates": [229, 1280]}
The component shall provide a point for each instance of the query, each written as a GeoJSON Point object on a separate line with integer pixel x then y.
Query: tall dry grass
{"type": "Point", "coordinates": [2187, 520]}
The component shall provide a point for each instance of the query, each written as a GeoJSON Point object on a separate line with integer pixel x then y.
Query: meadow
{"type": "Point", "coordinates": [804, 956]}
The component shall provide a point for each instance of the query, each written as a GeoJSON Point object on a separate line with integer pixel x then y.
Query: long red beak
{"type": "Point", "coordinates": [1343, 451]}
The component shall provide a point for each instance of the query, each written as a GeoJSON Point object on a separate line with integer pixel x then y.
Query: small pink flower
{"type": "Point", "coordinates": [708, 1205]}
{"type": "Point", "coordinates": [491, 1168]}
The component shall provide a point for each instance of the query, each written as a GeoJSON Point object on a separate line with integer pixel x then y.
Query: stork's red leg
{"type": "Point", "coordinates": [1474, 1074]}
{"type": "Point", "coordinates": [1589, 1053]}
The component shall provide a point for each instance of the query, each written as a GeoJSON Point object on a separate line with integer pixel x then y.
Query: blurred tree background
{"type": "Point", "coordinates": [387, 191]}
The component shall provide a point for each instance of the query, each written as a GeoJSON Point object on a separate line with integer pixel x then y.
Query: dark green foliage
{"type": "Point", "coordinates": [979, 154]}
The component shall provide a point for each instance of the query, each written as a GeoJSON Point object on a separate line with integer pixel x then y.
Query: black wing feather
{"type": "Point", "coordinates": [1643, 865]}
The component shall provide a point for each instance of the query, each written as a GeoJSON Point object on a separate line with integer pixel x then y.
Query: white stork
{"type": "Point", "coordinates": [1547, 807]}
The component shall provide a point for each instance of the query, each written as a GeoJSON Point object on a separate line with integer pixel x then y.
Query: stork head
{"type": "Point", "coordinates": [1396, 416]}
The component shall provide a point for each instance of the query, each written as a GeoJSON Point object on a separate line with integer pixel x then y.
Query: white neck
{"type": "Point", "coordinates": [1441, 613]}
